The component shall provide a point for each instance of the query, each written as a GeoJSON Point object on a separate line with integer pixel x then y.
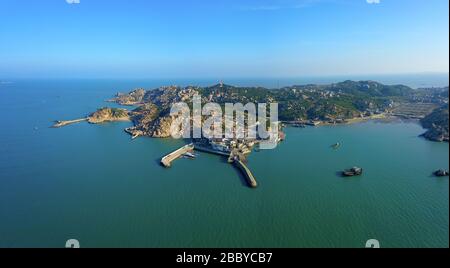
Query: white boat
{"type": "Point", "coordinates": [189, 155]}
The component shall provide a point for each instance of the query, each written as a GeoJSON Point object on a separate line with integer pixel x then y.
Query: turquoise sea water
{"type": "Point", "coordinates": [92, 183]}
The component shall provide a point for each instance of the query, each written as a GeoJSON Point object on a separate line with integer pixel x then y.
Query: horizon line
{"type": "Point", "coordinates": [100, 77]}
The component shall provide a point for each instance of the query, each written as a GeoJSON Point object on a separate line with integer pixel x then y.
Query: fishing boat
{"type": "Point", "coordinates": [336, 145]}
{"type": "Point", "coordinates": [441, 173]}
{"type": "Point", "coordinates": [354, 171]}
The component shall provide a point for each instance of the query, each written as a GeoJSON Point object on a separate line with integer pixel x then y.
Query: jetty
{"type": "Point", "coordinates": [166, 161]}
{"type": "Point", "coordinates": [246, 172]}
{"type": "Point", "coordinates": [234, 157]}
{"type": "Point", "coordinates": [59, 123]}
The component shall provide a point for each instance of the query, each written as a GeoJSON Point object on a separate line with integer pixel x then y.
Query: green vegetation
{"type": "Point", "coordinates": [336, 102]}
{"type": "Point", "coordinates": [314, 102]}
{"type": "Point", "coordinates": [118, 113]}
{"type": "Point", "coordinates": [107, 114]}
{"type": "Point", "coordinates": [145, 113]}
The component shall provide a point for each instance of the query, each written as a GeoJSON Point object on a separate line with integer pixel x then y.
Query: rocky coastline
{"type": "Point", "coordinates": [437, 125]}
{"type": "Point", "coordinates": [341, 103]}
{"type": "Point", "coordinates": [102, 115]}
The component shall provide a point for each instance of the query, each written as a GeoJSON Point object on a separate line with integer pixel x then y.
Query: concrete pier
{"type": "Point", "coordinates": [166, 161]}
{"type": "Point", "coordinates": [68, 122]}
{"type": "Point", "coordinates": [234, 157]}
{"type": "Point", "coordinates": [246, 172]}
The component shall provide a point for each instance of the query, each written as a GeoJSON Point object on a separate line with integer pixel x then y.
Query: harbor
{"type": "Point", "coordinates": [236, 155]}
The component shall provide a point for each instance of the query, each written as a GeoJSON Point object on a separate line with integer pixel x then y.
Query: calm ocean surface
{"type": "Point", "coordinates": [92, 183]}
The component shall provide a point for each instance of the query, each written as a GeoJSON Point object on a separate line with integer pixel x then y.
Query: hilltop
{"type": "Point", "coordinates": [106, 114]}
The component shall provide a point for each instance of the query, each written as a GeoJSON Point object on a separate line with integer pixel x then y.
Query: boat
{"type": "Point", "coordinates": [354, 171]}
{"type": "Point", "coordinates": [336, 145]}
{"type": "Point", "coordinates": [299, 125]}
{"type": "Point", "coordinates": [441, 173]}
{"type": "Point", "coordinates": [189, 155]}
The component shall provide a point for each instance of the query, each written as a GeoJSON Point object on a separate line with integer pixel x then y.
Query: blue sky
{"type": "Point", "coordinates": [222, 38]}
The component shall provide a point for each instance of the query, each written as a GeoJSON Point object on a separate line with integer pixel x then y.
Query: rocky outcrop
{"type": "Point", "coordinates": [335, 103]}
{"type": "Point", "coordinates": [152, 118]}
{"type": "Point", "coordinates": [158, 128]}
{"type": "Point", "coordinates": [108, 115]}
{"type": "Point", "coordinates": [437, 125]}
{"type": "Point", "coordinates": [161, 127]}
{"type": "Point", "coordinates": [132, 98]}
{"type": "Point", "coordinates": [148, 121]}
{"type": "Point", "coordinates": [437, 134]}
{"type": "Point", "coordinates": [144, 114]}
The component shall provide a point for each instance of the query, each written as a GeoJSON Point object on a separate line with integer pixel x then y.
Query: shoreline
{"type": "Point", "coordinates": [354, 120]}
{"type": "Point", "coordinates": [121, 119]}
{"type": "Point", "coordinates": [382, 116]}
{"type": "Point", "coordinates": [386, 118]}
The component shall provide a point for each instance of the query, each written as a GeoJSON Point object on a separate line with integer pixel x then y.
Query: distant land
{"type": "Point", "coordinates": [335, 103]}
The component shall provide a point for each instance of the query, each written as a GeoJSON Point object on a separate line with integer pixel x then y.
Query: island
{"type": "Point", "coordinates": [102, 115]}
{"type": "Point", "coordinates": [299, 105]}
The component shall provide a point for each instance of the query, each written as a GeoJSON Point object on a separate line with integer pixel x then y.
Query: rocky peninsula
{"type": "Point", "coordinates": [348, 101]}
{"type": "Point", "coordinates": [102, 115]}
{"type": "Point", "coordinates": [107, 114]}
{"type": "Point", "coordinates": [437, 125]}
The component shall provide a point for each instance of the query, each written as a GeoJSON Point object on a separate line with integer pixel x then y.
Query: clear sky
{"type": "Point", "coordinates": [221, 38]}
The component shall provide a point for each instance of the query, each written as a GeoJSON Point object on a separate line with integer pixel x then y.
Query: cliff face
{"type": "Point", "coordinates": [145, 114]}
{"type": "Point", "coordinates": [148, 121]}
{"type": "Point", "coordinates": [108, 115]}
{"type": "Point", "coordinates": [164, 97]}
{"type": "Point", "coordinates": [437, 125]}
{"type": "Point", "coordinates": [161, 127]}
{"type": "Point", "coordinates": [152, 118]}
